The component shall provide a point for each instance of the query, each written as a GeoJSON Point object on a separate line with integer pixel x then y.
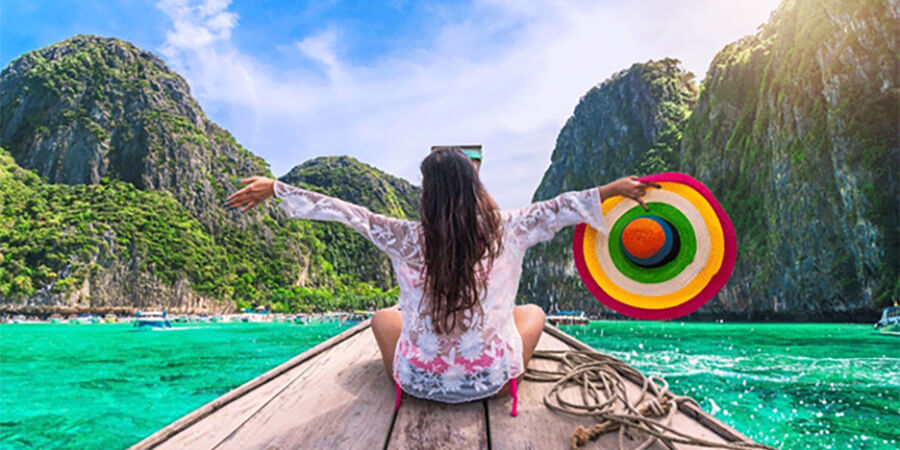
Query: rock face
{"type": "Point", "coordinates": [796, 132]}
{"type": "Point", "coordinates": [111, 128]}
{"type": "Point", "coordinates": [92, 107]}
{"type": "Point", "coordinates": [628, 124]}
{"type": "Point", "coordinates": [351, 180]}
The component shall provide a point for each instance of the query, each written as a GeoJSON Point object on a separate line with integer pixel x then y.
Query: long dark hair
{"type": "Point", "coordinates": [463, 236]}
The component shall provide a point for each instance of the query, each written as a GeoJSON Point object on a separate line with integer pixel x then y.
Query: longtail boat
{"type": "Point", "coordinates": [336, 396]}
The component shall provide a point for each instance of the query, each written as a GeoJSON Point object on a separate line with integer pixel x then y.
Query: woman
{"type": "Point", "coordinates": [456, 334]}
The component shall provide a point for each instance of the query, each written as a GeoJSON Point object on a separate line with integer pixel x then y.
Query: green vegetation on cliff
{"type": "Point", "coordinates": [356, 182]}
{"type": "Point", "coordinates": [55, 238]}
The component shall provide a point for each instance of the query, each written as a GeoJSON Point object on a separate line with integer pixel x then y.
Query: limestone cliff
{"type": "Point", "coordinates": [92, 107]}
{"type": "Point", "coordinates": [628, 124]}
{"type": "Point", "coordinates": [111, 129]}
{"type": "Point", "coordinates": [796, 131]}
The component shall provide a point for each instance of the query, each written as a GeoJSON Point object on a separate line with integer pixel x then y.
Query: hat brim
{"type": "Point", "coordinates": [658, 298]}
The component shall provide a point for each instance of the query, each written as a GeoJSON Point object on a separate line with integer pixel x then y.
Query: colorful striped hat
{"type": "Point", "coordinates": [662, 263]}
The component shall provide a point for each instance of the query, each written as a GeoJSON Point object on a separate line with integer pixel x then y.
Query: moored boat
{"type": "Point", "coordinates": [890, 320]}
{"type": "Point", "coordinates": [336, 395]}
{"type": "Point", "coordinates": [573, 317]}
{"type": "Point", "coordinates": [334, 317]}
{"type": "Point", "coordinates": [81, 319]}
{"type": "Point", "coordinates": [152, 320]}
{"type": "Point", "coordinates": [358, 316]}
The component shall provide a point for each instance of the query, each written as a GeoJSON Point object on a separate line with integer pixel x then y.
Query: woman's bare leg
{"type": "Point", "coordinates": [386, 324]}
{"type": "Point", "coordinates": [530, 323]}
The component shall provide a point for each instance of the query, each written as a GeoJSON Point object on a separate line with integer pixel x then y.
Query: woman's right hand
{"type": "Point", "coordinates": [256, 191]}
{"type": "Point", "coordinates": [632, 188]}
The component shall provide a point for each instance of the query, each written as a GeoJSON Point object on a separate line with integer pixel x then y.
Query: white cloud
{"type": "Point", "coordinates": [476, 82]}
{"type": "Point", "coordinates": [196, 26]}
{"type": "Point", "coordinates": [321, 47]}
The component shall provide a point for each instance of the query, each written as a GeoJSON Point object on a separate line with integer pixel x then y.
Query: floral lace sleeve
{"type": "Point", "coordinates": [396, 237]}
{"type": "Point", "coordinates": [540, 221]}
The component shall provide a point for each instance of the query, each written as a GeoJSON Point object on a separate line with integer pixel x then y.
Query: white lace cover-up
{"type": "Point", "coordinates": [477, 363]}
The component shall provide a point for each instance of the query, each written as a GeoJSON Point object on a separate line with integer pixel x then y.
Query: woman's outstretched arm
{"type": "Point", "coordinates": [540, 221]}
{"type": "Point", "coordinates": [391, 235]}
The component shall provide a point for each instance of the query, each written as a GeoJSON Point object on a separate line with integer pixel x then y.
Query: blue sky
{"type": "Point", "coordinates": [382, 81]}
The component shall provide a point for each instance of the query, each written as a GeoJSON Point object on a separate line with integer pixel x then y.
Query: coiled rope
{"type": "Point", "coordinates": [604, 396]}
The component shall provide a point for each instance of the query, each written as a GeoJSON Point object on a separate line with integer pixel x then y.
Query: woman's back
{"type": "Point", "coordinates": [466, 364]}
{"type": "Point", "coordinates": [456, 366]}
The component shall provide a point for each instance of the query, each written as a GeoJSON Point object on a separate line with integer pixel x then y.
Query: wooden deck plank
{"type": "Point", "coordinates": [212, 429]}
{"type": "Point", "coordinates": [248, 389]}
{"type": "Point", "coordinates": [423, 424]}
{"type": "Point", "coordinates": [682, 422]}
{"type": "Point", "coordinates": [343, 400]}
{"type": "Point", "coordinates": [535, 427]}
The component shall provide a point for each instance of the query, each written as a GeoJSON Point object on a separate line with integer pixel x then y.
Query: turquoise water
{"type": "Point", "coordinates": [791, 386]}
{"type": "Point", "coordinates": [108, 386]}
{"type": "Point", "coordinates": [788, 385]}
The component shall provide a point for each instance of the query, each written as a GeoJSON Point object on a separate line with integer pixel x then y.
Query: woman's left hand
{"type": "Point", "coordinates": [634, 189]}
{"type": "Point", "coordinates": [256, 191]}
